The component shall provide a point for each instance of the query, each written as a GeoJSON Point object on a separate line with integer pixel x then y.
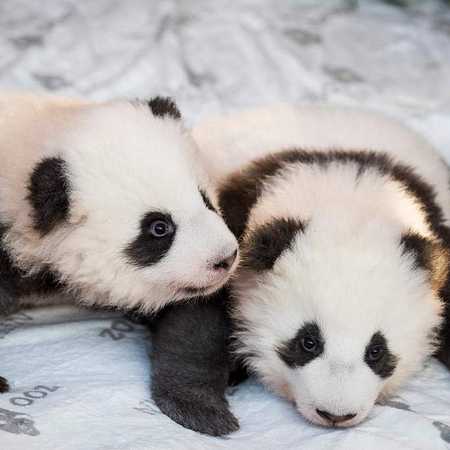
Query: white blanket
{"type": "Point", "coordinates": [81, 379]}
{"type": "Point", "coordinates": [81, 382]}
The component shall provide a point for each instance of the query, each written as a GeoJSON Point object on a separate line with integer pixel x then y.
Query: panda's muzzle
{"type": "Point", "coordinates": [334, 419]}
{"type": "Point", "coordinates": [220, 271]}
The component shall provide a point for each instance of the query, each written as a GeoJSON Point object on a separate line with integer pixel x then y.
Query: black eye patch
{"type": "Point", "coordinates": [378, 357]}
{"type": "Point", "coordinates": [307, 345]}
{"type": "Point", "coordinates": [206, 200]}
{"type": "Point", "coordinates": [157, 233]}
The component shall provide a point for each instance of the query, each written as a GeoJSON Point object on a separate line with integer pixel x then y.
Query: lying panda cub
{"type": "Point", "coordinates": [105, 201]}
{"type": "Point", "coordinates": [342, 218]}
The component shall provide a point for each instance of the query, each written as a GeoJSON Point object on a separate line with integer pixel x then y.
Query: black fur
{"type": "Point", "coordinates": [385, 366]}
{"type": "Point", "coordinates": [48, 194]}
{"type": "Point", "coordinates": [292, 351]}
{"type": "Point", "coordinates": [266, 244]}
{"type": "Point", "coordinates": [164, 106]}
{"type": "Point", "coordinates": [419, 247]}
{"type": "Point", "coordinates": [426, 197]}
{"type": "Point", "coordinates": [146, 249]}
{"type": "Point", "coordinates": [240, 192]}
{"type": "Point", "coordinates": [4, 386]}
{"type": "Point", "coordinates": [190, 357]}
{"type": "Point", "coordinates": [207, 201]}
{"type": "Point", "coordinates": [15, 283]}
{"type": "Point", "coordinates": [191, 365]}
{"type": "Point", "coordinates": [239, 372]}
{"type": "Point", "coordinates": [443, 353]}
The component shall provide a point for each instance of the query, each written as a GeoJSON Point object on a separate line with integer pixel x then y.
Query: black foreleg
{"type": "Point", "coordinates": [191, 365]}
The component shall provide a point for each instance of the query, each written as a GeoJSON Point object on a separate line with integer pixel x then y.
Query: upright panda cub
{"type": "Point", "coordinates": [107, 201]}
{"type": "Point", "coordinates": [343, 220]}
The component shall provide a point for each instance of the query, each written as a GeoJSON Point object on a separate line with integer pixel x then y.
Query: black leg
{"type": "Point", "coordinates": [191, 365]}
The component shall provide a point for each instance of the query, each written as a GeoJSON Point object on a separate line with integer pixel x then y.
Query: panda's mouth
{"type": "Point", "coordinates": [194, 291]}
{"type": "Point", "coordinates": [327, 420]}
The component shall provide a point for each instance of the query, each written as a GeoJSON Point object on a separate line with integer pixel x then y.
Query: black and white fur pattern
{"type": "Point", "coordinates": [81, 186]}
{"type": "Point", "coordinates": [342, 218]}
{"type": "Point", "coordinates": [107, 201]}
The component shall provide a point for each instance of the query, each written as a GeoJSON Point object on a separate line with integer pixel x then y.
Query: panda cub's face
{"type": "Point", "coordinates": [333, 320]}
{"type": "Point", "coordinates": [130, 222]}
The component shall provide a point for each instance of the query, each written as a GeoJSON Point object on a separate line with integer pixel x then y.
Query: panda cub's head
{"type": "Point", "coordinates": [118, 207]}
{"type": "Point", "coordinates": [337, 300]}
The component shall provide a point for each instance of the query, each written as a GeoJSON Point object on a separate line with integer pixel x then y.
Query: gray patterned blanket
{"type": "Point", "coordinates": [82, 378]}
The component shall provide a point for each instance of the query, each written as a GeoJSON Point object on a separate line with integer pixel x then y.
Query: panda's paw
{"type": "Point", "coordinates": [210, 415]}
{"type": "Point", "coordinates": [4, 386]}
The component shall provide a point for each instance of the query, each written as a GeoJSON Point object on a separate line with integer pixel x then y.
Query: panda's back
{"type": "Point", "coordinates": [229, 143]}
{"type": "Point", "coordinates": [27, 121]}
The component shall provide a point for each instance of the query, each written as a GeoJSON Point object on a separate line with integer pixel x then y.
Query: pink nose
{"type": "Point", "coordinates": [225, 263]}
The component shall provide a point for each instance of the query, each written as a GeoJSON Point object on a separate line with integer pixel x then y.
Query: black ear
{"type": "Point", "coordinates": [418, 247]}
{"type": "Point", "coordinates": [48, 194]}
{"type": "Point", "coordinates": [164, 106]}
{"type": "Point", "coordinates": [428, 255]}
{"type": "Point", "coordinates": [266, 244]}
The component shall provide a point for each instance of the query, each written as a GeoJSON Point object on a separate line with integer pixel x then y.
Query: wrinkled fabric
{"type": "Point", "coordinates": [80, 380]}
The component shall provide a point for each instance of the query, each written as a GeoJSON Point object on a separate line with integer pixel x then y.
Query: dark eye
{"type": "Point", "coordinates": [309, 344]}
{"type": "Point", "coordinates": [304, 347]}
{"type": "Point", "coordinates": [160, 228]}
{"type": "Point", "coordinates": [375, 352]}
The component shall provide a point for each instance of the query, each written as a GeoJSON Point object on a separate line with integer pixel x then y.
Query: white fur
{"type": "Point", "coordinates": [122, 163]}
{"type": "Point", "coordinates": [228, 143]}
{"type": "Point", "coordinates": [346, 271]}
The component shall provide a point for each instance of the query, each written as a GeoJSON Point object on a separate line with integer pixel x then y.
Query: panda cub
{"type": "Point", "coordinates": [106, 201]}
{"type": "Point", "coordinates": [343, 221]}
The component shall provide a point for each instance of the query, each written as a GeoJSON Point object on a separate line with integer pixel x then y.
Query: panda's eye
{"type": "Point", "coordinates": [309, 344]}
{"type": "Point", "coordinates": [156, 236]}
{"type": "Point", "coordinates": [304, 347]}
{"type": "Point", "coordinates": [378, 356]}
{"type": "Point", "coordinates": [160, 228]}
{"type": "Point", "coordinates": [375, 352]}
